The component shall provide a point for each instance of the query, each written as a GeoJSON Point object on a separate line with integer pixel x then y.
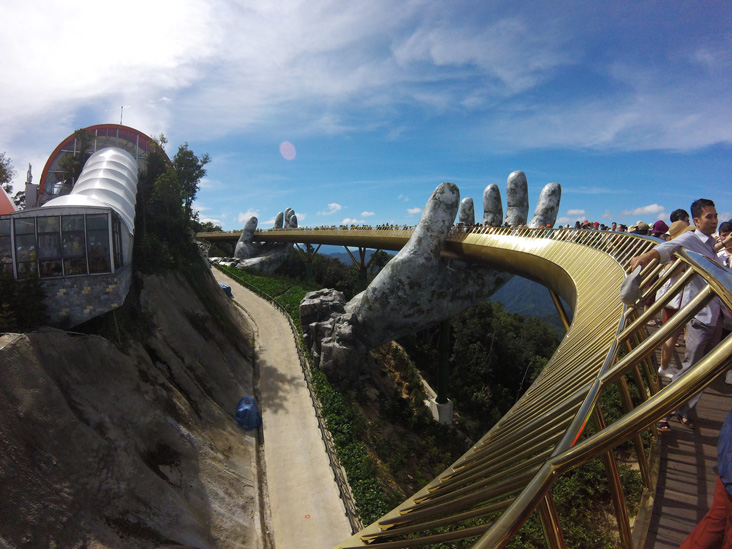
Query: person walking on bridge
{"type": "Point", "coordinates": [704, 331]}
{"type": "Point", "coordinates": [715, 529]}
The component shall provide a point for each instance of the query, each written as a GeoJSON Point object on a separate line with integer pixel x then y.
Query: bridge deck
{"type": "Point", "coordinates": [688, 470]}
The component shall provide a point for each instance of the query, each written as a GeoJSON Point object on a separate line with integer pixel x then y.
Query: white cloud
{"type": "Point", "coordinates": [651, 209]}
{"type": "Point", "coordinates": [333, 207]}
{"type": "Point", "coordinates": [413, 211]}
{"type": "Point", "coordinates": [213, 220]}
{"type": "Point", "coordinates": [349, 221]}
{"type": "Point", "coordinates": [242, 218]}
{"type": "Point", "coordinates": [367, 214]}
{"type": "Point", "coordinates": [607, 214]}
{"type": "Point", "coordinates": [251, 68]}
{"type": "Point", "coordinates": [402, 197]}
{"type": "Point", "coordinates": [576, 212]}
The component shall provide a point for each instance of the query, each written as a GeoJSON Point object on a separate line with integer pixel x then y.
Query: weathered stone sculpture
{"type": "Point", "coordinates": [493, 210]}
{"type": "Point", "coordinates": [467, 212]}
{"type": "Point", "coordinates": [267, 257]}
{"type": "Point", "coordinates": [417, 288]}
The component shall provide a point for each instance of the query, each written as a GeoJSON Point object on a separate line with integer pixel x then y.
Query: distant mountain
{"type": "Point", "coordinates": [529, 298]}
{"type": "Point", "coordinates": [346, 259]}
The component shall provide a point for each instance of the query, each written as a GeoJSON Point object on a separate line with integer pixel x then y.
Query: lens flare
{"type": "Point", "coordinates": [287, 150]}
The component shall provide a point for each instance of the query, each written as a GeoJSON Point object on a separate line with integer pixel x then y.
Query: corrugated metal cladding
{"type": "Point", "coordinates": [109, 179]}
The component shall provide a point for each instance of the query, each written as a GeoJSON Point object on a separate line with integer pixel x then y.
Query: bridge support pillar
{"type": "Point", "coordinates": [308, 254]}
{"type": "Point", "coordinates": [361, 265]}
{"type": "Point", "coordinates": [441, 412]}
{"type": "Point", "coordinates": [441, 406]}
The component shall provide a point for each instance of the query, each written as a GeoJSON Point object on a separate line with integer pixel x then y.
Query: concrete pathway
{"type": "Point", "coordinates": [305, 505]}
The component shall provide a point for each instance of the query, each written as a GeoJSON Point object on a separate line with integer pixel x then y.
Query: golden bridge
{"type": "Point", "coordinates": [495, 486]}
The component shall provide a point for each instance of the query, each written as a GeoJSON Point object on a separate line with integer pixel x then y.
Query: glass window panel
{"type": "Point", "coordinates": [48, 224]}
{"type": "Point", "coordinates": [98, 251]}
{"type": "Point", "coordinates": [5, 246]}
{"type": "Point", "coordinates": [72, 222]}
{"type": "Point", "coordinates": [25, 247]}
{"type": "Point", "coordinates": [4, 226]}
{"type": "Point", "coordinates": [74, 266]}
{"type": "Point", "coordinates": [49, 246]}
{"type": "Point", "coordinates": [74, 244]}
{"type": "Point", "coordinates": [25, 225]}
{"type": "Point", "coordinates": [6, 254]}
{"type": "Point", "coordinates": [97, 222]}
{"type": "Point", "coordinates": [50, 269]}
{"type": "Point", "coordinates": [25, 268]}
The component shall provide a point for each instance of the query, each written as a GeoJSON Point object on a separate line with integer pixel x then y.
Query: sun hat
{"type": "Point", "coordinates": [642, 227]}
{"type": "Point", "coordinates": [678, 228]}
{"type": "Point", "coordinates": [659, 228]}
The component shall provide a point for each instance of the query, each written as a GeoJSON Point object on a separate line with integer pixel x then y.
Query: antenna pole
{"type": "Point", "coordinates": [121, 112]}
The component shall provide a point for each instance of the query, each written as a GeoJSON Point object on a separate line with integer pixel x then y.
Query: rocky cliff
{"type": "Point", "coordinates": [133, 444]}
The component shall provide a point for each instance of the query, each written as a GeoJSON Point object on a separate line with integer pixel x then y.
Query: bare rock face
{"type": "Point", "coordinates": [264, 258]}
{"type": "Point", "coordinates": [316, 307]}
{"type": "Point", "coordinates": [105, 448]}
{"type": "Point", "coordinates": [417, 289]}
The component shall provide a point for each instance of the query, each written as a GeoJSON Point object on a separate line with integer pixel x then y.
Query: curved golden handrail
{"type": "Point", "coordinates": [509, 473]}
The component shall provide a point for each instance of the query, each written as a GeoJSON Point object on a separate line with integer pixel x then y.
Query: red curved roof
{"type": "Point", "coordinates": [6, 203]}
{"type": "Point", "coordinates": [125, 132]}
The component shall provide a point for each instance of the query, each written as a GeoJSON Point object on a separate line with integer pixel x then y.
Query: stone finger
{"type": "Point", "coordinates": [278, 222]}
{"type": "Point", "coordinates": [436, 221]}
{"type": "Point", "coordinates": [467, 212]}
{"type": "Point", "coordinates": [517, 198]}
{"type": "Point", "coordinates": [548, 206]}
{"type": "Point", "coordinates": [290, 218]}
{"type": "Point", "coordinates": [244, 246]}
{"type": "Point", "coordinates": [492, 207]}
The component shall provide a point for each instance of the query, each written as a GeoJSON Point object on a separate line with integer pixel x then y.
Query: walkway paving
{"type": "Point", "coordinates": [688, 470]}
{"type": "Point", "coordinates": [305, 505]}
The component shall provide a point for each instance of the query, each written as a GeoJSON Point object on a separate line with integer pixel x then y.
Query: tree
{"type": "Point", "coordinates": [73, 164]}
{"type": "Point", "coordinates": [19, 200]}
{"type": "Point", "coordinates": [7, 173]}
{"type": "Point", "coordinates": [378, 261]}
{"type": "Point", "coordinates": [163, 224]}
{"type": "Point", "coordinates": [189, 169]}
{"type": "Point", "coordinates": [206, 227]}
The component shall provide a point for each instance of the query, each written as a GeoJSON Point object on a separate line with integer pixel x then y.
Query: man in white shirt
{"type": "Point", "coordinates": [704, 331]}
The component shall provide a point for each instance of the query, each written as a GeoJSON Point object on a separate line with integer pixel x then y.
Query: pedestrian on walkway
{"type": "Point", "coordinates": [714, 531]}
{"type": "Point", "coordinates": [704, 331]}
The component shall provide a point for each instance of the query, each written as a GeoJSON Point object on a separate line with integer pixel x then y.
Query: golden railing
{"type": "Point", "coordinates": [494, 488]}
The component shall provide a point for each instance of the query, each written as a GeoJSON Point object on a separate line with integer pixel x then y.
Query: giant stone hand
{"type": "Point", "coordinates": [263, 257]}
{"type": "Point", "coordinates": [418, 288]}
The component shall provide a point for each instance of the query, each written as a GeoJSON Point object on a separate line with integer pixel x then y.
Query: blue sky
{"type": "Point", "coordinates": [628, 105]}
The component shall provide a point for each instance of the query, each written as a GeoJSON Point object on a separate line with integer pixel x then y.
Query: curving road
{"type": "Point", "coordinates": [304, 502]}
